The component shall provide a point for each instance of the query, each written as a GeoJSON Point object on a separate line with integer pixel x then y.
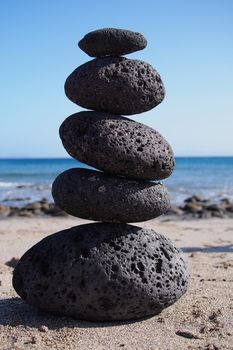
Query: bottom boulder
{"type": "Point", "coordinates": [102, 272]}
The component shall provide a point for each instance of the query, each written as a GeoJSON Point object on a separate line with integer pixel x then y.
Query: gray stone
{"type": "Point", "coordinates": [102, 272]}
{"type": "Point", "coordinates": [117, 145]}
{"type": "Point", "coordinates": [225, 201]}
{"type": "Point", "coordinates": [196, 199]}
{"type": "Point", "coordinates": [33, 206]}
{"type": "Point", "coordinates": [54, 210]}
{"type": "Point", "coordinates": [192, 207]}
{"type": "Point", "coordinates": [4, 210]}
{"type": "Point", "coordinates": [174, 210]}
{"type": "Point", "coordinates": [214, 207]}
{"type": "Point", "coordinates": [95, 195]}
{"type": "Point", "coordinates": [112, 42]}
{"type": "Point", "coordinates": [116, 85]}
{"type": "Point", "coordinates": [229, 208]}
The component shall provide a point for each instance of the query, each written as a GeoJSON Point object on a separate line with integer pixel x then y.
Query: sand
{"type": "Point", "coordinates": [202, 319]}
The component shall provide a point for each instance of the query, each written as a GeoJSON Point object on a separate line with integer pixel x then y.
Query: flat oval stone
{"type": "Point", "coordinates": [102, 272]}
{"type": "Point", "coordinates": [115, 84]}
{"type": "Point", "coordinates": [112, 42]}
{"type": "Point", "coordinates": [117, 145]}
{"type": "Point", "coordinates": [94, 195]}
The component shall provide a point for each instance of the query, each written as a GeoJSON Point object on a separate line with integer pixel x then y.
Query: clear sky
{"type": "Point", "coordinates": [190, 43]}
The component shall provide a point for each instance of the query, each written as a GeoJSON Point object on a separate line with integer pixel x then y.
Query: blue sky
{"type": "Point", "coordinates": [189, 43]}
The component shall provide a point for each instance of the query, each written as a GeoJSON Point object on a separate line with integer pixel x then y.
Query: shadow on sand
{"type": "Point", "coordinates": [15, 312]}
{"type": "Point", "coordinates": [209, 249]}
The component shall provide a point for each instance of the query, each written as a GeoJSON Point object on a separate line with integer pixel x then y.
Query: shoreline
{"type": "Point", "coordinates": [194, 207]}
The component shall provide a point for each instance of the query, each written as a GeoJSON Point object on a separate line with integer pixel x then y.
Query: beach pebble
{"type": "Point", "coordinates": [12, 262]}
{"type": "Point", "coordinates": [117, 145]}
{"type": "Point", "coordinates": [196, 199]}
{"type": "Point", "coordinates": [192, 207]}
{"type": "Point", "coordinates": [112, 42]}
{"type": "Point", "coordinates": [187, 334]}
{"type": "Point", "coordinates": [33, 206]}
{"type": "Point", "coordinates": [115, 84]}
{"type": "Point", "coordinates": [229, 208]}
{"type": "Point", "coordinates": [43, 329]}
{"type": "Point", "coordinates": [174, 210]}
{"type": "Point", "coordinates": [95, 195]}
{"type": "Point", "coordinates": [25, 213]}
{"type": "Point", "coordinates": [54, 210]}
{"type": "Point", "coordinates": [4, 210]}
{"type": "Point", "coordinates": [102, 272]}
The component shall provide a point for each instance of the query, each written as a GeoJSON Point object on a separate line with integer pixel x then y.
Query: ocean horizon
{"type": "Point", "coordinates": [24, 180]}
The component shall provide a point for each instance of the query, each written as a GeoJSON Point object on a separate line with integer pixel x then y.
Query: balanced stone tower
{"type": "Point", "coordinates": [109, 270]}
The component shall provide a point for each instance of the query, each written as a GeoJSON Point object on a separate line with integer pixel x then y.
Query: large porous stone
{"type": "Point", "coordinates": [116, 85]}
{"type": "Point", "coordinates": [117, 145]}
{"type": "Point", "coordinates": [95, 195]}
{"type": "Point", "coordinates": [102, 272]}
{"type": "Point", "coordinates": [112, 42]}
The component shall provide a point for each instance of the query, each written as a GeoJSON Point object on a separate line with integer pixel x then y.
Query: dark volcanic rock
{"type": "Point", "coordinates": [116, 85]}
{"type": "Point", "coordinates": [117, 145]}
{"type": "Point", "coordinates": [112, 42]}
{"type": "Point", "coordinates": [94, 195]}
{"type": "Point", "coordinates": [102, 272]}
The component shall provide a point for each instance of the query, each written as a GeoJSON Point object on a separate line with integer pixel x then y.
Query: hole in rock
{"type": "Point", "coordinates": [167, 256]}
{"type": "Point", "coordinates": [159, 266]}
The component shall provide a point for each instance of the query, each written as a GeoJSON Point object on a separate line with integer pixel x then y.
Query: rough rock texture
{"type": "Point", "coordinates": [112, 42]}
{"type": "Point", "coordinates": [117, 145]}
{"type": "Point", "coordinates": [94, 195]}
{"type": "Point", "coordinates": [102, 272]}
{"type": "Point", "coordinates": [116, 85]}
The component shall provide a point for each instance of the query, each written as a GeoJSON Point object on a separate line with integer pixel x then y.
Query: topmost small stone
{"type": "Point", "coordinates": [112, 42]}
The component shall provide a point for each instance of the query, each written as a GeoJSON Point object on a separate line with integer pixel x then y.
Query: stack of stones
{"type": "Point", "coordinates": [109, 270]}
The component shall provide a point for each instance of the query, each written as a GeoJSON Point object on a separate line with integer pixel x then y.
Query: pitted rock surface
{"type": "Point", "coordinates": [102, 272]}
{"type": "Point", "coordinates": [117, 145]}
{"type": "Point", "coordinates": [95, 195]}
{"type": "Point", "coordinates": [112, 42]}
{"type": "Point", "coordinates": [115, 84]}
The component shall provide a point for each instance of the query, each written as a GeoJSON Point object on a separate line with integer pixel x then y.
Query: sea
{"type": "Point", "coordinates": [26, 180]}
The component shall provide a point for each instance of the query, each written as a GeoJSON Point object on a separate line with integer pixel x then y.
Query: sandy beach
{"type": "Point", "coordinates": [202, 319]}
